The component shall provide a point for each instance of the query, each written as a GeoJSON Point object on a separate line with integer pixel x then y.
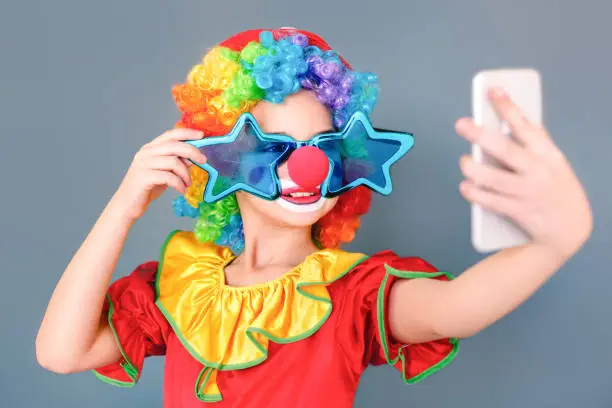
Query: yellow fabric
{"type": "Point", "coordinates": [229, 327]}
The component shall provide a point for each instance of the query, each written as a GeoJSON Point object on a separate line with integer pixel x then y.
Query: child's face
{"type": "Point", "coordinates": [301, 116]}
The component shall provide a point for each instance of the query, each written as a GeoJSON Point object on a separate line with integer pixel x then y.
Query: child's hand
{"type": "Point", "coordinates": [162, 163]}
{"type": "Point", "coordinates": [543, 194]}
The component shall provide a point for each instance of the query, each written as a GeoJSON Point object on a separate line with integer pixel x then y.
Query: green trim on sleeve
{"type": "Point", "coordinates": [383, 333]}
{"type": "Point", "coordinates": [127, 366]}
{"type": "Point", "coordinates": [112, 381]}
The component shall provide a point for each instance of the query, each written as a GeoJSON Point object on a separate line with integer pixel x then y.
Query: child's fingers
{"type": "Point", "coordinates": [174, 148]}
{"type": "Point", "coordinates": [501, 148]}
{"type": "Point", "coordinates": [522, 128]}
{"type": "Point", "coordinates": [186, 162]}
{"type": "Point", "coordinates": [178, 135]}
{"type": "Point", "coordinates": [488, 199]}
{"type": "Point", "coordinates": [171, 164]}
{"type": "Point", "coordinates": [491, 178]}
{"type": "Point", "coordinates": [166, 178]}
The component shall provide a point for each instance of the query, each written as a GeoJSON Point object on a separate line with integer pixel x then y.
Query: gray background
{"type": "Point", "coordinates": [84, 84]}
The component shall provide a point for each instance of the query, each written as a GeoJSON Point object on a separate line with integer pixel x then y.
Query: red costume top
{"type": "Point", "coordinates": [302, 340]}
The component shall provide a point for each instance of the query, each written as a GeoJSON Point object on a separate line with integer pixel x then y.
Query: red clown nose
{"type": "Point", "coordinates": [308, 166]}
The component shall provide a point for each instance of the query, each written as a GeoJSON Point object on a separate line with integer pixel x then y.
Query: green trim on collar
{"type": "Point", "coordinates": [209, 365]}
{"type": "Point", "coordinates": [200, 385]}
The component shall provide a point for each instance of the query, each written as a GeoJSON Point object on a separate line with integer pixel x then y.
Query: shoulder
{"type": "Point", "coordinates": [384, 259]}
{"type": "Point", "coordinates": [185, 260]}
{"type": "Point", "coordinates": [140, 281]}
{"type": "Point", "coordinates": [366, 278]}
{"type": "Point", "coordinates": [376, 267]}
{"type": "Point", "coordinates": [182, 251]}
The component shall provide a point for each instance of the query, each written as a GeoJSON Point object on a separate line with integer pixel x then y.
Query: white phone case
{"type": "Point", "coordinates": [492, 231]}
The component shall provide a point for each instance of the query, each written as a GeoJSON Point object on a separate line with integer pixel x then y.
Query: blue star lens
{"type": "Point", "coordinates": [247, 159]}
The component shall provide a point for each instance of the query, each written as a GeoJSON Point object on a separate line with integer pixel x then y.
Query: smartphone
{"type": "Point", "coordinates": [492, 231]}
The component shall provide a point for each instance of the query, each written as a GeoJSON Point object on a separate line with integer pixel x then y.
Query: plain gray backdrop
{"type": "Point", "coordinates": [84, 84]}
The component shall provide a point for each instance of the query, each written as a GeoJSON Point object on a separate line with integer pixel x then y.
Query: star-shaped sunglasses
{"type": "Point", "coordinates": [247, 159]}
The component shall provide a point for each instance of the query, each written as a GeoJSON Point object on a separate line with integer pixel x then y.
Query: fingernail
{"type": "Point", "coordinates": [461, 124]}
{"type": "Point", "coordinates": [498, 92]}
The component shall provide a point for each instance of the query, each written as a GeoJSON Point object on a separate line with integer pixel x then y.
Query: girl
{"type": "Point", "coordinates": [258, 306]}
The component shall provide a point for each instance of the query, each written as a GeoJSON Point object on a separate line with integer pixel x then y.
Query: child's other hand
{"type": "Point", "coordinates": [541, 193]}
{"type": "Point", "coordinates": [162, 163]}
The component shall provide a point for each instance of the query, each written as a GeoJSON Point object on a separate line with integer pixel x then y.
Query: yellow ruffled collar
{"type": "Point", "coordinates": [229, 328]}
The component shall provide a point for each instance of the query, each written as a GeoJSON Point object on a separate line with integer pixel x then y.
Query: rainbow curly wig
{"type": "Point", "coordinates": [268, 65]}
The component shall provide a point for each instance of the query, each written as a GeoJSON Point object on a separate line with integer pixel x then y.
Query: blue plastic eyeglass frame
{"type": "Point", "coordinates": [405, 140]}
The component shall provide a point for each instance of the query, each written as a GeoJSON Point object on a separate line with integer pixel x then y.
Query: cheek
{"type": "Point", "coordinates": [330, 204]}
{"type": "Point", "coordinates": [249, 201]}
{"type": "Point", "coordinates": [283, 171]}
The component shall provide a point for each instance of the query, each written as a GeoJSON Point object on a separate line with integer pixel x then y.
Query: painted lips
{"type": "Point", "coordinates": [299, 195]}
{"type": "Point", "coordinates": [299, 199]}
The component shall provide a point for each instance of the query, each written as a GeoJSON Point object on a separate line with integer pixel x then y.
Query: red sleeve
{"type": "Point", "coordinates": [139, 327]}
{"type": "Point", "coordinates": [367, 292]}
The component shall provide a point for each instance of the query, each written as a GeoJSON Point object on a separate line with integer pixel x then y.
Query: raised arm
{"type": "Point", "coordinates": [73, 335]}
{"type": "Point", "coordinates": [542, 194]}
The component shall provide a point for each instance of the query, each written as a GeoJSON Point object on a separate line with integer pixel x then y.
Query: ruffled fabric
{"type": "Point", "coordinates": [229, 328]}
{"type": "Point", "coordinates": [362, 328]}
{"type": "Point", "coordinates": [355, 334]}
{"type": "Point", "coordinates": [139, 327]}
{"type": "Point", "coordinates": [415, 361]}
